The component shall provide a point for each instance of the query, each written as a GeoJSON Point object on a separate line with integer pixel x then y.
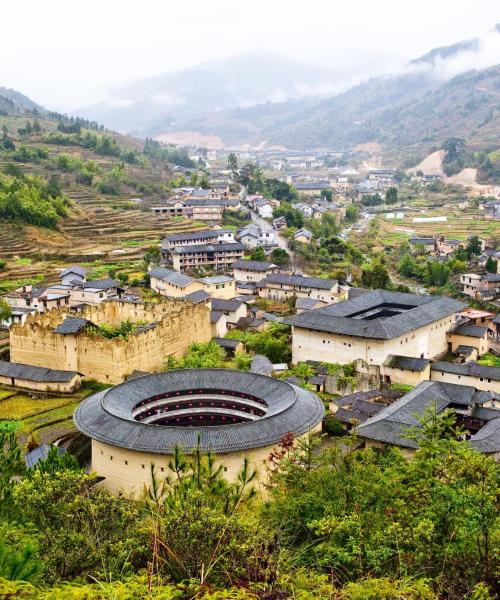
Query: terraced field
{"type": "Point", "coordinates": [99, 229]}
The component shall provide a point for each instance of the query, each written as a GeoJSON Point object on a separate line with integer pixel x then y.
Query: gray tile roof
{"type": "Point", "coordinates": [31, 373]}
{"type": "Point", "coordinates": [197, 297]}
{"type": "Point", "coordinates": [75, 269]}
{"type": "Point", "coordinates": [259, 266]}
{"type": "Point", "coordinates": [463, 349]}
{"type": "Point", "coordinates": [195, 235]}
{"type": "Point", "coordinates": [107, 416]}
{"type": "Point", "coordinates": [224, 247]}
{"type": "Point", "coordinates": [468, 369]}
{"type": "Point", "coordinates": [307, 303]}
{"type": "Point", "coordinates": [71, 325]}
{"type": "Point", "coordinates": [226, 305]}
{"type": "Point", "coordinates": [261, 364]}
{"type": "Point", "coordinates": [216, 279]}
{"type": "Point", "coordinates": [407, 363]}
{"type": "Point", "coordinates": [215, 316]}
{"type": "Point", "coordinates": [344, 317]}
{"type": "Point", "coordinates": [100, 284]}
{"type": "Point", "coordinates": [487, 439]}
{"type": "Point", "coordinates": [298, 280]}
{"type": "Point", "coordinates": [171, 276]}
{"type": "Point", "coordinates": [227, 343]}
{"type": "Point", "coordinates": [38, 454]}
{"type": "Point", "coordinates": [391, 424]}
{"type": "Point", "coordinates": [469, 330]}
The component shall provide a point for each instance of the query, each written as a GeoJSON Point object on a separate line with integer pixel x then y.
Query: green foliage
{"type": "Point", "coordinates": [489, 360]}
{"type": "Point", "coordinates": [124, 330]}
{"type": "Point", "coordinates": [271, 342]}
{"type": "Point", "coordinates": [293, 217]}
{"type": "Point", "coordinates": [85, 531]}
{"type": "Point", "coordinates": [372, 199]}
{"type": "Point", "coordinates": [327, 194]}
{"type": "Point", "coordinates": [5, 310]}
{"type": "Point", "coordinates": [351, 213]}
{"type": "Point", "coordinates": [258, 253]}
{"type": "Point", "coordinates": [376, 277]}
{"type": "Point", "coordinates": [26, 199]}
{"type": "Point", "coordinates": [232, 162]}
{"type": "Point", "coordinates": [174, 155]}
{"type": "Point", "coordinates": [17, 566]}
{"type": "Point", "coordinates": [207, 355]}
{"type": "Point", "coordinates": [279, 256]}
{"type": "Point", "coordinates": [391, 195]}
{"type": "Point", "coordinates": [491, 265]}
{"type": "Point", "coordinates": [11, 465]}
{"type": "Point", "coordinates": [387, 589]}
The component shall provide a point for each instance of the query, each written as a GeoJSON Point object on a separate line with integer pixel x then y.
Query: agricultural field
{"type": "Point", "coordinates": [109, 229]}
{"type": "Point", "coordinates": [460, 224]}
{"type": "Point", "coordinates": [38, 420]}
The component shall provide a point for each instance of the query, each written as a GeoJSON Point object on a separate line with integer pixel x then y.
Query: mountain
{"type": "Point", "coordinates": [155, 104]}
{"type": "Point", "coordinates": [269, 100]}
{"type": "Point", "coordinates": [13, 102]}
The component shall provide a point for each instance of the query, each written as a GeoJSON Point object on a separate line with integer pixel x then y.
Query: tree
{"type": "Point", "coordinates": [232, 163]}
{"type": "Point", "coordinates": [391, 195]}
{"type": "Point", "coordinates": [327, 194]}
{"type": "Point", "coordinates": [152, 256]}
{"type": "Point", "coordinates": [376, 277]}
{"type": "Point", "coordinates": [258, 253]}
{"type": "Point", "coordinates": [351, 213]}
{"type": "Point", "coordinates": [473, 246]}
{"type": "Point", "coordinates": [279, 256]}
{"type": "Point", "coordinates": [5, 311]}
{"type": "Point", "coordinates": [85, 530]}
{"type": "Point", "coordinates": [491, 265]}
{"type": "Point", "coordinates": [453, 147]}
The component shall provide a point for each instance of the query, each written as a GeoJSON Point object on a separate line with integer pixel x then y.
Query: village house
{"type": "Point", "coordinates": [253, 270]}
{"type": "Point", "coordinates": [374, 326]}
{"type": "Point", "coordinates": [279, 223]}
{"type": "Point", "coordinates": [264, 209]}
{"type": "Point", "coordinates": [212, 256]}
{"type": "Point", "coordinates": [478, 412]}
{"type": "Point", "coordinates": [178, 285]}
{"type": "Point", "coordinates": [278, 286]}
{"type": "Point", "coordinates": [40, 379]}
{"type": "Point", "coordinates": [253, 235]}
{"type": "Point", "coordinates": [305, 209]}
{"type": "Point", "coordinates": [437, 245]}
{"type": "Point", "coordinates": [481, 287]}
{"type": "Point", "coordinates": [312, 188]}
{"type": "Point", "coordinates": [304, 236]}
{"type": "Point", "coordinates": [218, 323]}
{"type": "Point", "coordinates": [233, 309]}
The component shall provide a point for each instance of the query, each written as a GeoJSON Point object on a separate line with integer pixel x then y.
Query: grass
{"type": "Point", "coordinates": [5, 394]}
{"type": "Point", "coordinates": [24, 261]}
{"type": "Point", "coordinates": [489, 360]}
{"type": "Point", "coordinates": [19, 407]}
{"type": "Point", "coordinates": [9, 285]}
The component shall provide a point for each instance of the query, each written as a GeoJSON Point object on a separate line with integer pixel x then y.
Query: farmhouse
{"type": "Point", "coordinates": [478, 412]}
{"type": "Point", "coordinates": [374, 326]}
{"type": "Point", "coordinates": [253, 270]}
{"type": "Point", "coordinates": [177, 285]}
{"type": "Point", "coordinates": [278, 286]}
{"type": "Point", "coordinates": [238, 415]}
{"type": "Point", "coordinates": [38, 378]}
{"type": "Point", "coordinates": [77, 344]}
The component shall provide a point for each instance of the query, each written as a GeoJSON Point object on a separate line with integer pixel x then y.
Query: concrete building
{"type": "Point", "coordinates": [374, 326]}
{"type": "Point", "coordinates": [177, 285]}
{"type": "Point", "coordinates": [253, 270]}
{"type": "Point", "coordinates": [278, 286]}
{"type": "Point", "coordinates": [56, 337]}
{"type": "Point", "coordinates": [234, 414]}
{"type": "Point", "coordinates": [216, 256]}
{"type": "Point", "coordinates": [207, 236]}
{"type": "Point", "coordinates": [478, 412]}
{"type": "Point", "coordinates": [481, 287]}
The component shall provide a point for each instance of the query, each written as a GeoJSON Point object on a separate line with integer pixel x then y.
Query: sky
{"type": "Point", "coordinates": [62, 52]}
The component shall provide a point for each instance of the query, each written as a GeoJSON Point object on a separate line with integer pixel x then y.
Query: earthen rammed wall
{"type": "Point", "coordinates": [173, 326]}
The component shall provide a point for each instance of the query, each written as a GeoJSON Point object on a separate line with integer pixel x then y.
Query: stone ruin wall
{"type": "Point", "coordinates": [111, 361]}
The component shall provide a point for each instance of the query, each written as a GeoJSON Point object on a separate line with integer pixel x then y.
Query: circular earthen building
{"type": "Point", "coordinates": [234, 414]}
